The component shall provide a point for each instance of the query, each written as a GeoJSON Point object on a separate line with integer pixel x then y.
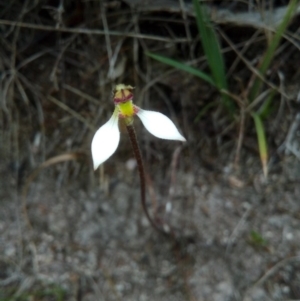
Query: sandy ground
{"type": "Point", "coordinates": [236, 239]}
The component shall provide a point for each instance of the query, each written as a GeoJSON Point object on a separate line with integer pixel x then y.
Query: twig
{"type": "Point", "coordinates": [240, 138]}
{"type": "Point", "coordinates": [186, 25]}
{"type": "Point", "coordinates": [70, 111]}
{"type": "Point", "coordinates": [250, 67]}
{"type": "Point", "coordinates": [87, 31]}
{"type": "Point", "coordinates": [53, 76]}
{"type": "Point", "coordinates": [287, 145]}
{"type": "Point", "coordinates": [271, 272]}
{"type": "Point", "coordinates": [237, 228]}
{"type": "Point", "coordinates": [81, 94]}
{"type": "Point", "coordinates": [106, 34]}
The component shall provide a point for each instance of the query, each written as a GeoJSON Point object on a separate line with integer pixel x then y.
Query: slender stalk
{"type": "Point", "coordinates": [139, 160]}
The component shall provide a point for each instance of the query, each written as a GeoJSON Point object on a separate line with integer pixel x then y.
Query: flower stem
{"type": "Point", "coordinates": [139, 160]}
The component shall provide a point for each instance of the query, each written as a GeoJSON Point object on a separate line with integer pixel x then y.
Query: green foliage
{"type": "Point", "coordinates": [257, 240]}
{"type": "Point", "coordinates": [212, 52]}
{"type": "Point", "coordinates": [218, 79]}
{"type": "Point", "coordinates": [257, 85]}
{"type": "Point", "coordinates": [183, 67]}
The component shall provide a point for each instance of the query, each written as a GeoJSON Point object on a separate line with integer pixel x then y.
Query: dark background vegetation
{"type": "Point", "coordinates": [69, 233]}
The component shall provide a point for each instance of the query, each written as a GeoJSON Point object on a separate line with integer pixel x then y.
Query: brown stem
{"type": "Point", "coordinates": [139, 160]}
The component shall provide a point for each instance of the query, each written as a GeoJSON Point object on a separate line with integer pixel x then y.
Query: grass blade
{"type": "Point", "coordinates": [183, 67]}
{"type": "Point", "coordinates": [210, 45]}
{"type": "Point", "coordinates": [262, 142]}
{"type": "Point", "coordinates": [266, 108]}
{"type": "Point", "coordinates": [212, 51]}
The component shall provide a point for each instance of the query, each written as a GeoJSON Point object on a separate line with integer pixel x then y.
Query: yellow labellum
{"type": "Point", "coordinates": [126, 108]}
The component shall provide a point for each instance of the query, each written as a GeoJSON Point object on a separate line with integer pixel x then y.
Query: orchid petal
{"type": "Point", "coordinates": [106, 140]}
{"type": "Point", "coordinates": [159, 125]}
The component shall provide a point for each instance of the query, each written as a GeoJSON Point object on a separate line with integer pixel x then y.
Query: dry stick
{"type": "Point", "coordinates": [70, 111]}
{"type": "Point", "coordinates": [270, 273]}
{"type": "Point", "coordinates": [240, 138]}
{"type": "Point", "coordinates": [255, 71]}
{"type": "Point", "coordinates": [87, 31]}
{"type": "Point", "coordinates": [138, 156]}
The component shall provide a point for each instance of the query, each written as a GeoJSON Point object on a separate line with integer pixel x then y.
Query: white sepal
{"type": "Point", "coordinates": [106, 140]}
{"type": "Point", "coordinates": [159, 125]}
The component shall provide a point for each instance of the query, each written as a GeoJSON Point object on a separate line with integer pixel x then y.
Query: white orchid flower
{"type": "Point", "coordinates": [106, 139]}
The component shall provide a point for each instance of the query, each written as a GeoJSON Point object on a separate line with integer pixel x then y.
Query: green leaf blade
{"type": "Point", "coordinates": [212, 52]}
{"type": "Point", "coordinates": [262, 142]}
{"type": "Point", "coordinates": [183, 67]}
